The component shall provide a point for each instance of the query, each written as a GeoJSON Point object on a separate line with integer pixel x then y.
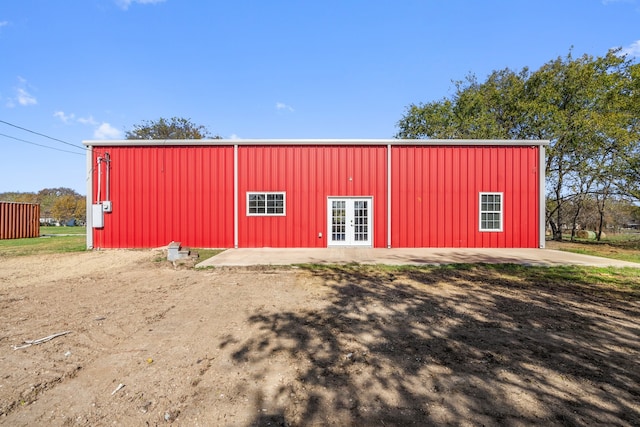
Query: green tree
{"type": "Point", "coordinates": [48, 196]}
{"type": "Point", "coordinates": [61, 204]}
{"type": "Point", "coordinates": [495, 109]}
{"type": "Point", "coordinates": [631, 180]}
{"type": "Point", "coordinates": [630, 158]}
{"type": "Point", "coordinates": [174, 128]}
{"type": "Point", "coordinates": [588, 108]}
{"type": "Point", "coordinates": [64, 208]}
{"type": "Point", "coordinates": [18, 197]}
{"type": "Point", "coordinates": [584, 106]}
{"type": "Point", "coordinates": [80, 212]}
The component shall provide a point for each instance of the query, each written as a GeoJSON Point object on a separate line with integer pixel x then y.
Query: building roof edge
{"type": "Point", "coordinates": [248, 142]}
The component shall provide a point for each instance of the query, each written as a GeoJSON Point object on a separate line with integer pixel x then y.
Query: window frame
{"type": "Point", "coordinates": [499, 212]}
{"type": "Point", "coordinates": [266, 195]}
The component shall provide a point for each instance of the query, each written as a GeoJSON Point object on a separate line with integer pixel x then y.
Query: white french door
{"type": "Point", "coordinates": [349, 221]}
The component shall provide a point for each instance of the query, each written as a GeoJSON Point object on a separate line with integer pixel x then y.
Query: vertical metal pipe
{"type": "Point", "coordinates": [389, 181]}
{"type": "Point", "coordinates": [107, 184]}
{"type": "Point", "coordinates": [89, 222]}
{"type": "Point", "coordinates": [235, 196]}
{"type": "Point", "coordinates": [99, 175]}
{"type": "Point", "coordinates": [541, 196]}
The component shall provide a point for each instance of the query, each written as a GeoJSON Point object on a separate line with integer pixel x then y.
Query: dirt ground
{"type": "Point", "coordinates": [152, 344]}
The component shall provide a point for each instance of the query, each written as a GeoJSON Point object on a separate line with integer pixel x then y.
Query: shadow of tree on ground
{"type": "Point", "coordinates": [475, 345]}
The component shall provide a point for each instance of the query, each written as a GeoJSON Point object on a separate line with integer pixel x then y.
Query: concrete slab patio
{"type": "Point", "coordinates": [422, 256]}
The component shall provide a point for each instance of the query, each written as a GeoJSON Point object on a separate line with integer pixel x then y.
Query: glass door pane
{"type": "Point", "coordinates": [338, 221]}
{"type": "Point", "coordinates": [349, 221]}
{"type": "Point", "coordinates": [360, 220]}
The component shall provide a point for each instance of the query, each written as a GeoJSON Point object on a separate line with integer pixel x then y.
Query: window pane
{"type": "Point", "coordinates": [266, 203]}
{"type": "Point", "coordinates": [338, 221]}
{"type": "Point", "coordinates": [490, 212]}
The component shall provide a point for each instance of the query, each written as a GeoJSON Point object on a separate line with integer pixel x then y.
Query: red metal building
{"type": "Point", "coordinates": [316, 193]}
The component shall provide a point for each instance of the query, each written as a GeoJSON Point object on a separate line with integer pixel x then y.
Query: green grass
{"type": "Point", "coordinates": [625, 279]}
{"type": "Point", "coordinates": [622, 278]}
{"type": "Point", "coordinates": [43, 245]}
{"type": "Point", "coordinates": [206, 253]}
{"type": "Point", "coordinates": [627, 240]}
{"type": "Point", "coordinates": [625, 247]}
{"type": "Point", "coordinates": [623, 256]}
{"type": "Point", "coordinates": [65, 239]}
{"type": "Point", "coordinates": [48, 230]}
{"type": "Point", "coordinates": [557, 278]}
{"type": "Point", "coordinates": [202, 254]}
{"type": "Point", "coordinates": [53, 240]}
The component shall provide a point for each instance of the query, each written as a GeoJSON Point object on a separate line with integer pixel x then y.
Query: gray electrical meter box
{"type": "Point", "coordinates": [97, 215]}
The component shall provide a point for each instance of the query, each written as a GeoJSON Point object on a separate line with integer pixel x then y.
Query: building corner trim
{"type": "Point", "coordinates": [542, 202]}
{"type": "Point", "coordinates": [89, 181]}
{"type": "Point", "coordinates": [389, 196]}
{"type": "Point", "coordinates": [235, 196]}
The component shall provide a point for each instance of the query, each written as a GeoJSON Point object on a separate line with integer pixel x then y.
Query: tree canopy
{"type": "Point", "coordinates": [173, 128]}
{"type": "Point", "coordinates": [587, 107]}
{"type": "Point", "coordinates": [60, 204]}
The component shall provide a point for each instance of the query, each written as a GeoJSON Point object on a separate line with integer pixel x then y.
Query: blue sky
{"type": "Point", "coordinates": [74, 70]}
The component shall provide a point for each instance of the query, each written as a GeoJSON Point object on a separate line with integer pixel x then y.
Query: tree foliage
{"type": "Point", "coordinates": [494, 109]}
{"type": "Point", "coordinates": [47, 198]}
{"type": "Point", "coordinates": [588, 108]}
{"type": "Point", "coordinates": [68, 207]}
{"type": "Point", "coordinates": [18, 197]}
{"type": "Point", "coordinates": [173, 128]}
{"type": "Point", "coordinates": [60, 204]}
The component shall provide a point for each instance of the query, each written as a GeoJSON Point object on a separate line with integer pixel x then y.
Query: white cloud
{"type": "Point", "coordinates": [101, 130]}
{"type": "Point", "coordinates": [234, 136]}
{"type": "Point", "coordinates": [124, 4]}
{"type": "Point", "coordinates": [71, 117]}
{"type": "Point", "coordinates": [280, 106]}
{"type": "Point", "coordinates": [106, 131]}
{"type": "Point", "coordinates": [4, 23]}
{"type": "Point", "coordinates": [87, 120]}
{"type": "Point", "coordinates": [24, 98]}
{"type": "Point", "coordinates": [64, 117]}
{"type": "Point", "coordinates": [632, 50]}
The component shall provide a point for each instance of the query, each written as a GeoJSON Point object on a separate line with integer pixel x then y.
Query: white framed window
{"type": "Point", "coordinates": [491, 211]}
{"type": "Point", "coordinates": [266, 203]}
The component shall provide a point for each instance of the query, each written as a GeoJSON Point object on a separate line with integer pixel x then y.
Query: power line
{"type": "Point", "coordinates": [40, 145]}
{"type": "Point", "coordinates": [43, 135]}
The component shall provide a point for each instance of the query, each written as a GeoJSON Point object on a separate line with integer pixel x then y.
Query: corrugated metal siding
{"type": "Point", "coordinates": [165, 193]}
{"type": "Point", "coordinates": [19, 220]}
{"type": "Point", "coordinates": [435, 195]}
{"type": "Point", "coordinates": [308, 175]}
{"type": "Point", "coordinates": [185, 193]}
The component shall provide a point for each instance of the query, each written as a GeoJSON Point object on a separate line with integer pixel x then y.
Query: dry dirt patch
{"type": "Point", "coordinates": [343, 346]}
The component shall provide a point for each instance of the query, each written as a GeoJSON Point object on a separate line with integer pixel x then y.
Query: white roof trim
{"type": "Point", "coordinates": [232, 142]}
